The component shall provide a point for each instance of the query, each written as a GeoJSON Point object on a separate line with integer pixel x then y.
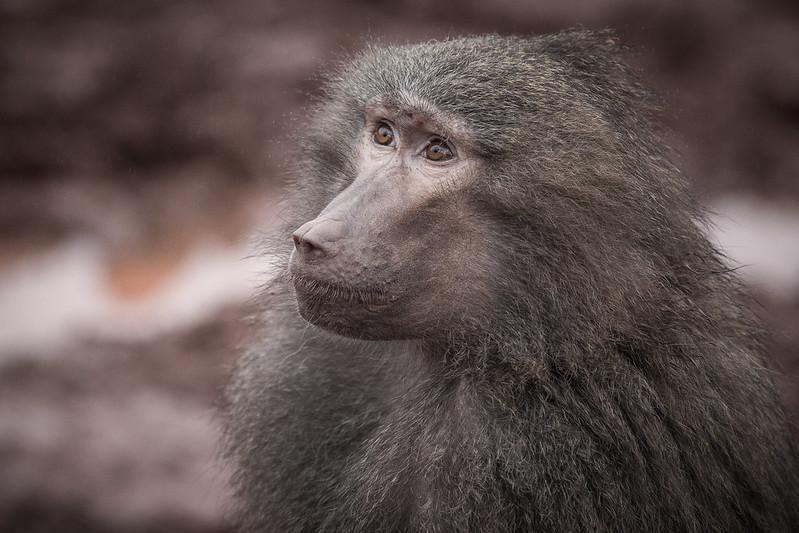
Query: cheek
{"type": "Point", "coordinates": [469, 269]}
{"type": "Point", "coordinates": [450, 264]}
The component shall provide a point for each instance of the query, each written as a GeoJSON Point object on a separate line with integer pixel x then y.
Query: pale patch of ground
{"type": "Point", "coordinates": [63, 295]}
{"type": "Point", "coordinates": [760, 239]}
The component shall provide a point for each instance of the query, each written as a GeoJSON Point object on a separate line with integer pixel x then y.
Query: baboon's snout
{"type": "Point", "coordinates": [319, 238]}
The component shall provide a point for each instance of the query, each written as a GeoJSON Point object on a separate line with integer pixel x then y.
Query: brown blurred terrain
{"type": "Point", "coordinates": [143, 143]}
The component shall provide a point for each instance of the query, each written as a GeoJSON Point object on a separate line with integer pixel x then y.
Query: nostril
{"type": "Point", "coordinates": [306, 245]}
{"type": "Point", "coordinates": [319, 237]}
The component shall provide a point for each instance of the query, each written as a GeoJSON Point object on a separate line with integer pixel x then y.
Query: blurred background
{"type": "Point", "coordinates": [142, 145]}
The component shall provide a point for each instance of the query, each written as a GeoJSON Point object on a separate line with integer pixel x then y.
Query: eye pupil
{"type": "Point", "coordinates": [384, 135]}
{"type": "Point", "coordinates": [438, 151]}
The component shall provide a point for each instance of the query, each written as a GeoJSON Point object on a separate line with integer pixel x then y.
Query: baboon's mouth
{"type": "Point", "coordinates": [371, 298]}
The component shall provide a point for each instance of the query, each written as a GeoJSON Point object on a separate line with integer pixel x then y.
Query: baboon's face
{"type": "Point", "coordinates": [392, 255]}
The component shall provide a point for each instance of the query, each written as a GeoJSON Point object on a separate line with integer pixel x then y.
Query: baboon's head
{"type": "Point", "coordinates": [450, 185]}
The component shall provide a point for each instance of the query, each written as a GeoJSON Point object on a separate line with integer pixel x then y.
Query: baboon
{"type": "Point", "coordinates": [511, 317]}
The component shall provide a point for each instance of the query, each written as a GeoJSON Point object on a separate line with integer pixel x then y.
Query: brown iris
{"type": "Point", "coordinates": [438, 150]}
{"type": "Point", "coordinates": [384, 135]}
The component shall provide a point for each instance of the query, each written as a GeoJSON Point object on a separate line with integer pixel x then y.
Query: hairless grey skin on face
{"type": "Point", "coordinates": [499, 313]}
{"type": "Point", "coordinates": [355, 253]}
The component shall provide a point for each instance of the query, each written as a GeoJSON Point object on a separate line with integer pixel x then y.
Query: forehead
{"type": "Point", "coordinates": [482, 88]}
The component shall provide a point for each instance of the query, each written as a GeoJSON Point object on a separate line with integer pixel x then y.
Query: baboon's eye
{"type": "Point", "coordinates": [438, 150]}
{"type": "Point", "coordinates": [384, 135]}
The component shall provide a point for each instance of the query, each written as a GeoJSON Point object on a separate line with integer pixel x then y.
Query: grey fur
{"type": "Point", "coordinates": [618, 385]}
